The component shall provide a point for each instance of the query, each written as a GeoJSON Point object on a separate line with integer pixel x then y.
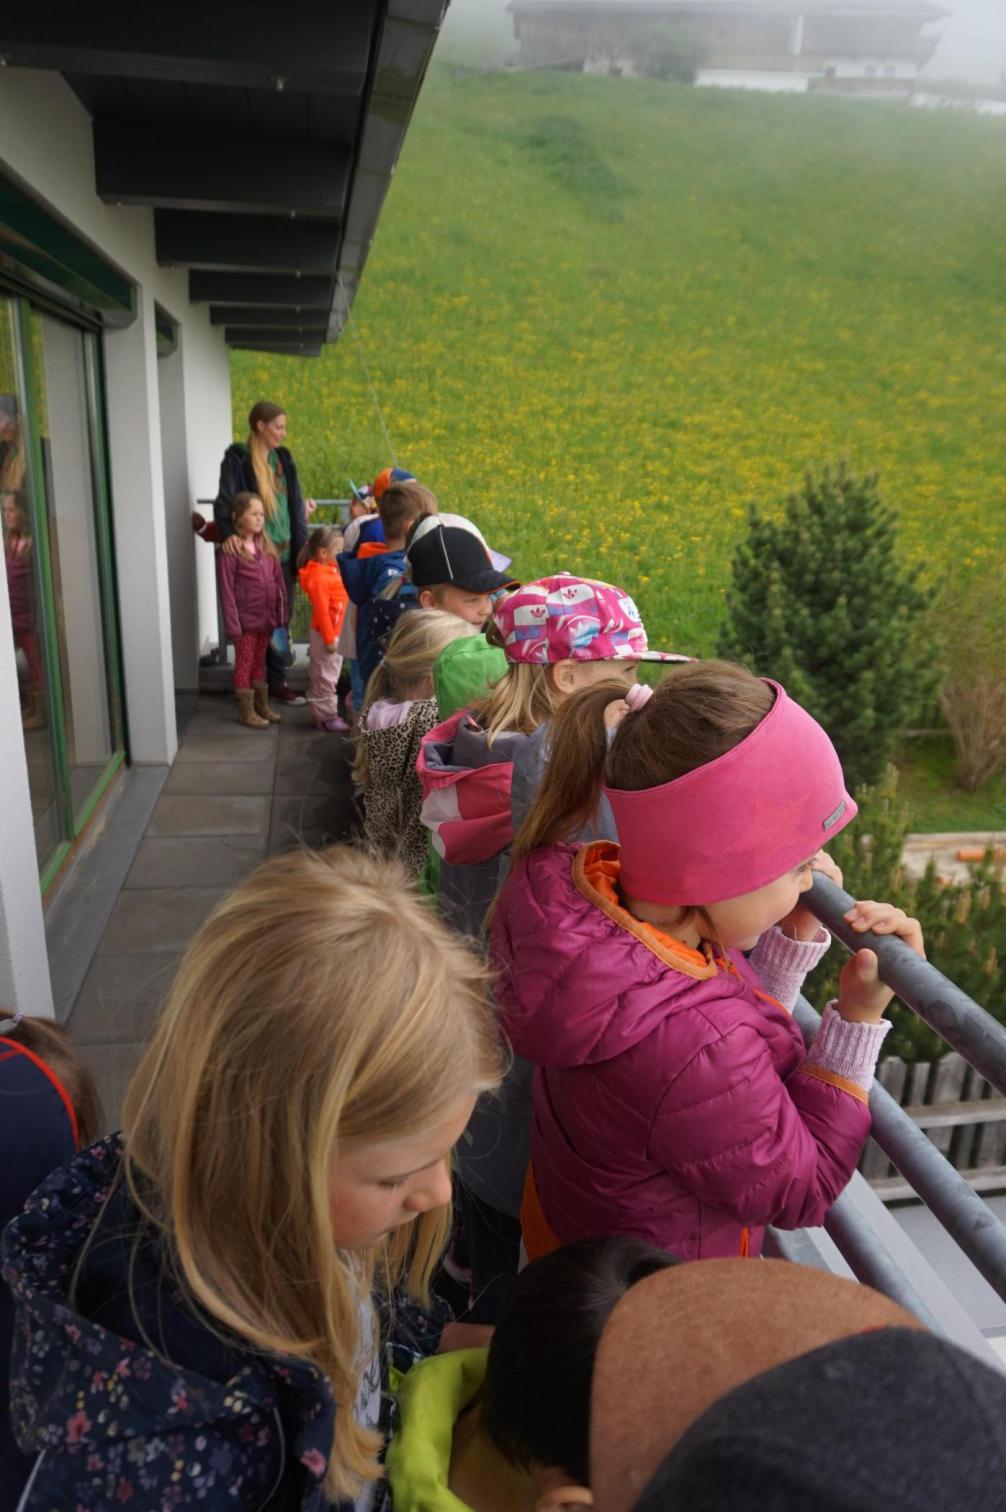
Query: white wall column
{"type": "Point", "coordinates": [141, 551]}
{"type": "Point", "coordinates": [24, 965]}
{"type": "Point", "coordinates": [177, 512]}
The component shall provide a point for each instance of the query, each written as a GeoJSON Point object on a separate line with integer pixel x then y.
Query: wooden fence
{"type": "Point", "coordinates": [963, 1116]}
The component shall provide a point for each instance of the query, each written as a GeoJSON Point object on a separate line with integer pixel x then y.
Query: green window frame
{"type": "Point", "coordinates": [31, 382]}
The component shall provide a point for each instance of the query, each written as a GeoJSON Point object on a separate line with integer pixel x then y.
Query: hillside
{"type": "Point", "coordinates": [602, 315]}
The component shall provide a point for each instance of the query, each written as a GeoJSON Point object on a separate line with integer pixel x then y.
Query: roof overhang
{"type": "Point", "coordinates": [263, 138]}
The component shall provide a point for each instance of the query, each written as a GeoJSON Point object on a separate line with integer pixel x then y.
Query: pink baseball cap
{"type": "Point", "coordinates": [566, 618]}
{"type": "Point", "coordinates": [738, 822]}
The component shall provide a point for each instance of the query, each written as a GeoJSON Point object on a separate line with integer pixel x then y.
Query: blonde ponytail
{"type": "Point", "coordinates": [266, 411]}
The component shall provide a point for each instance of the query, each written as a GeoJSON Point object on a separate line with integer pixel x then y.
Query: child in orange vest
{"type": "Point", "coordinates": [322, 582]}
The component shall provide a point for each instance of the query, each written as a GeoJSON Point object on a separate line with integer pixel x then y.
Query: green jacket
{"type": "Point", "coordinates": [430, 1399]}
{"type": "Point", "coordinates": [463, 674]}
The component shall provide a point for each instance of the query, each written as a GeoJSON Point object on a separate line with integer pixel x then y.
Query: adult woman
{"type": "Point", "coordinates": [265, 468]}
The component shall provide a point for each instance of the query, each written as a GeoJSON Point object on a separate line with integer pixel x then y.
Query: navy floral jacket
{"type": "Point", "coordinates": [113, 1425]}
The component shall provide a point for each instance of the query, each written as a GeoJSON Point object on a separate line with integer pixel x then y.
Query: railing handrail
{"type": "Point", "coordinates": [972, 1225]}
{"type": "Point", "coordinates": [956, 1018]}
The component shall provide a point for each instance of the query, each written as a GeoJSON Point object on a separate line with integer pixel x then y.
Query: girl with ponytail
{"type": "Point", "coordinates": [674, 1099]}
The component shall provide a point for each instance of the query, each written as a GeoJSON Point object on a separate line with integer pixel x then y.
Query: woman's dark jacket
{"type": "Point", "coordinates": [237, 476]}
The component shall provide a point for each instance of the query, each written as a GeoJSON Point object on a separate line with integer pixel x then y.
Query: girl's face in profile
{"type": "Point", "coordinates": [376, 1188]}
{"type": "Point", "coordinates": [740, 922]}
{"type": "Point", "coordinates": [252, 522]}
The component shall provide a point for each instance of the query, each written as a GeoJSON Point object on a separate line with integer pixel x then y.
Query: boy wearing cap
{"type": "Point", "coordinates": [452, 570]}
{"type": "Point", "coordinates": [366, 576]}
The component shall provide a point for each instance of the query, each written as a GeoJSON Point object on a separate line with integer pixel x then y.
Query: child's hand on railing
{"type": "Point", "coordinates": [862, 996]}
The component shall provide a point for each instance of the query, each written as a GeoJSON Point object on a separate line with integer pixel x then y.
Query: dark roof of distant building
{"type": "Point", "coordinates": [922, 10]}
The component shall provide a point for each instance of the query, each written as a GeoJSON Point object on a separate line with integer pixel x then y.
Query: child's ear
{"type": "Point", "coordinates": [426, 598]}
{"type": "Point", "coordinates": [563, 675]}
{"type": "Point", "coordinates": [557, 1489]}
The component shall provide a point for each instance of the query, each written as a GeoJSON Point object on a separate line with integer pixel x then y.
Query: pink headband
{"type": "Point", "coordinates": [738, 822]}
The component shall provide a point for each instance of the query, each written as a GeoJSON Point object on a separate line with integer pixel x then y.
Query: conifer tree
{"type": "Point", "coordinates": [822, 602]}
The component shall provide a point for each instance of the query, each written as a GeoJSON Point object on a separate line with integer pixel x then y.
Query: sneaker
{"type": "Point", "coordinates": [285, 695]}
{"type": "Point", "coordinates": [334, 726]}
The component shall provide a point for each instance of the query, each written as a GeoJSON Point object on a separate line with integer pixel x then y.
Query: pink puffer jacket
{"type": "Point", "coordinates": [673, 1099]}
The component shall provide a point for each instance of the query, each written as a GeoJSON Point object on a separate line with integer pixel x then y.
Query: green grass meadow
{"type": "Point", "coordinates": [603, 315]}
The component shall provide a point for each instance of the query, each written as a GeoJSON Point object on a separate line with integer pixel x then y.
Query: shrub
{"type": "Point", "coordinates": [964, 924]}
{"type": "Point", "coordinates": [667, 52]}
{"type": "Point", "coordinates": [822, 602]}
{"type": "Point", "coordinates": [973, 694]}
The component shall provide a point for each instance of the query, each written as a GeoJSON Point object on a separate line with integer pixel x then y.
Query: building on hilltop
{"type": "Point", "coordinates": [872, 47]}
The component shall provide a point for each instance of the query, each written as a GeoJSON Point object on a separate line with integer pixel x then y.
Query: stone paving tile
{"type": "Point", "coordinates": [255, 745]}
{"type": "Point", "coordinates": [157, 918]}
{"type": "Point", "coordinates": [191, 861]}
{"type": "Point", "coordinates": [213, 727]}
{"type": "Point", "coordinates": [204, 778]}
{"type": "Point", "coordinates": [300, 775]}
{"type": "Point", "coordinates": [122, 996]}
{"type": "Point", "coordinates": [310, 821]}
{"type": "Point", "coordinates": [112, 1067]}
{"type": "Point", "coordinates": [220, 814]}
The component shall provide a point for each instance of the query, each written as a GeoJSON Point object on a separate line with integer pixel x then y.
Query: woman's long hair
{"type": "Point", "coordinates": [321, 1007]}
{"type": "Point", "coordinates": [267, 412]}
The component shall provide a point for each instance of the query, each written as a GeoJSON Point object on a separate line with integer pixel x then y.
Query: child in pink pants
{"type": "Point", "coordinates": [321, 580]}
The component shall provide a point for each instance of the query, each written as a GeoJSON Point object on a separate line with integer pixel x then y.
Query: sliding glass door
{"type": "Point", "coordinates": [57, 554]}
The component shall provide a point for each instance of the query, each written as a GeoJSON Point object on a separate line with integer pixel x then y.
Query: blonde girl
{"type": "Point", "coordinates": [216, 1279]}
{"type": "Point", "coordinates": [558, 635]}
{"type": "Point", "coordinates": [478, 770]}
{"type": "Point", "coordinates": [399, 709]}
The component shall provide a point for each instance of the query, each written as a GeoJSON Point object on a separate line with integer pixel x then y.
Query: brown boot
{"type": "Point", "coordinates": [262, 708]}
{"type": "Point", "coordinates": [246, 711]}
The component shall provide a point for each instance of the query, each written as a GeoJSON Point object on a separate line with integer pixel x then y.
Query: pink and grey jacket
{"type": "Point", "coordinates": [466, 807]}
{"type": "Point", "coordinates": [674, 1099]}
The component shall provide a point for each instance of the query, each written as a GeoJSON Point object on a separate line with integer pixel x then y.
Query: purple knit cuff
{"type": "Point", "coordinates": [849, 1049]}
{"type": "Point", "coordinates": [782, 963]}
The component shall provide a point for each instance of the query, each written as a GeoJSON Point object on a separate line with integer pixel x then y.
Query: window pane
{"type": "Point", "coordinates": [20, 534]}
{"type": "Point", "coordinates": [73, 551]}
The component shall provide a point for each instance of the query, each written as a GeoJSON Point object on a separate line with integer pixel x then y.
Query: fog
{"type": "Point", "coordinates": [972, 46]}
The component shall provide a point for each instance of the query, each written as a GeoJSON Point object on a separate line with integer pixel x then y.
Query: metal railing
{"type": "Point", "coordinates": [859, 1232]}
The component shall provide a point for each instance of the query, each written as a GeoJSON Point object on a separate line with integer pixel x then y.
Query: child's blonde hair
{"type": "Point", "coordinates": [413, 646]}
{"type": "Point", "coordinates": [523, 699]}
{"type": "Point", "coordinates": [240, 505]}
{"type": "Point", "coordinates": [362, 1019]}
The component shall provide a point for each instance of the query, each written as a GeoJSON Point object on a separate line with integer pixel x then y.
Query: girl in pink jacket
{"type": "Point", "coordinates": [674, 1099]}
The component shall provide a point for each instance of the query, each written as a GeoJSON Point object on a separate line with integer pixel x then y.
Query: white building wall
{"type": "Point", "coordinates": [772, 81]}
{"type": "Point", "coordinates": [45, 139]}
